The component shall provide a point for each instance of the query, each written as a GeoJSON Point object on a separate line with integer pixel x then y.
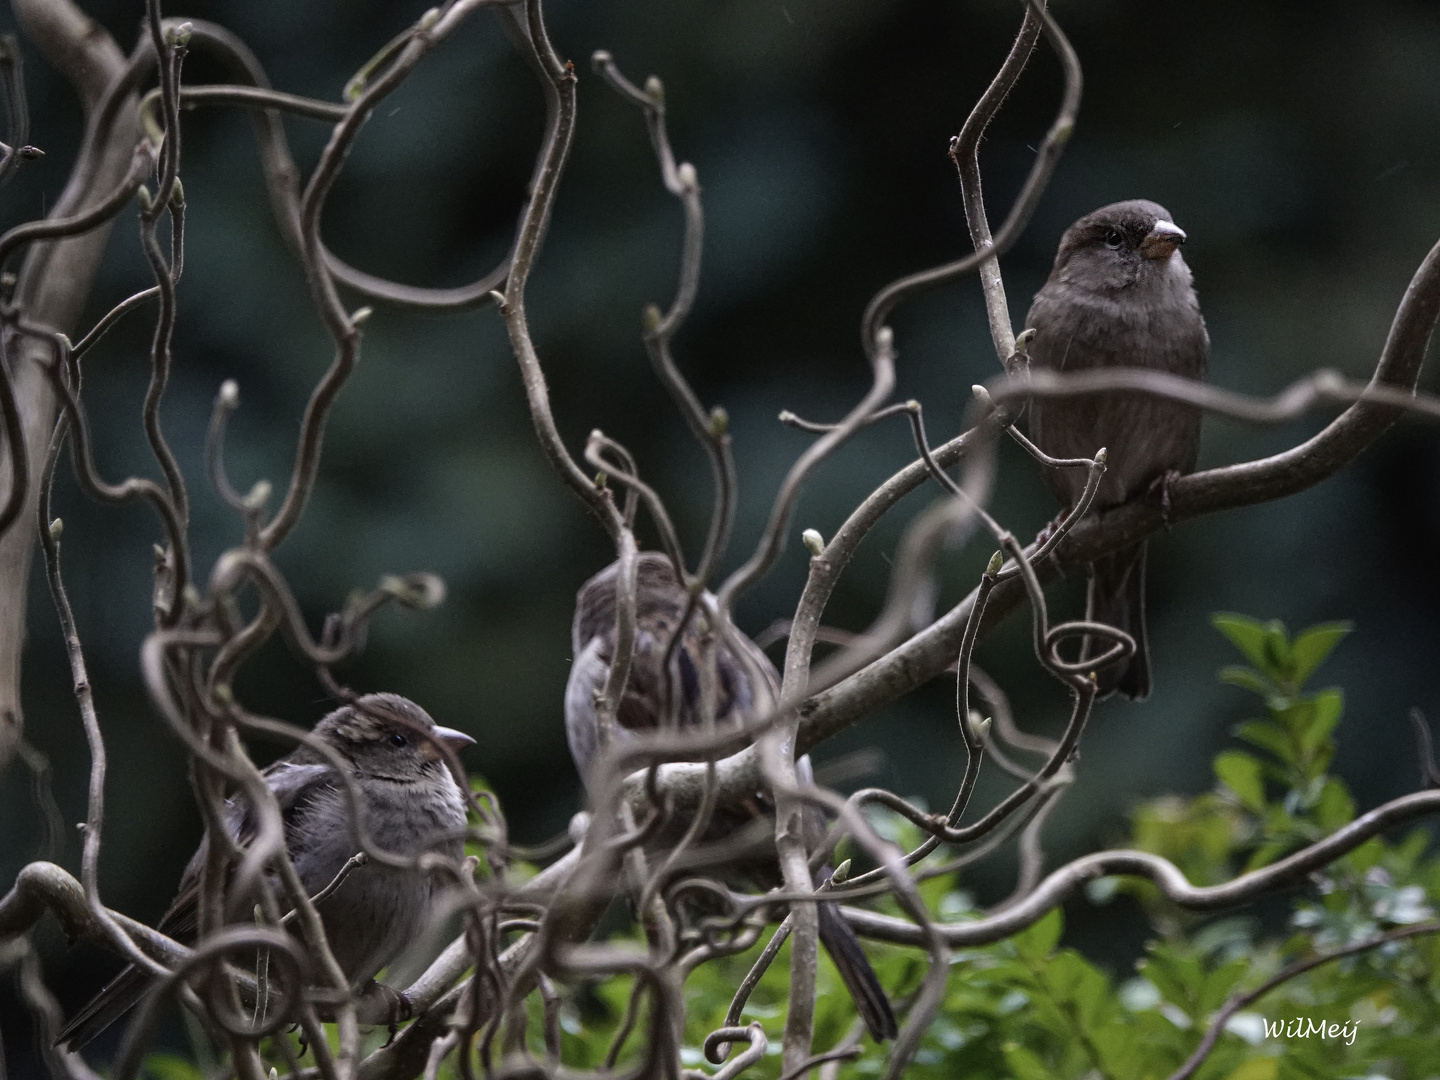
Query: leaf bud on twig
{"type": "Point", "coordinates": [719, 421]}
{"type": "Point", "coordinates": [230, 394]}
{"type": "Point", "coordinates": [655, 89]}
{"type": "Point", "coordinates": [814, 542]}
{"type": "Point", "coordinates": [418, 591]}
{"type": "Point", "coordinates": [579, 826]}
{"type": "Point", "coordinates": [259, 495]}
{"type": "Point", "coordinates": [650, 318]}
{"type": "Point", "coordinates": [56, 528]}
{"type": "Point", "coordinates": [992, 568]}
{"type": "Point", "coordinates": [979, 725]}
{"type": "Point", "coordinates": [1328, 381]}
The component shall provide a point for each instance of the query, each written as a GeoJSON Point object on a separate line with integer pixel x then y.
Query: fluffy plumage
{"type": "Point", "coordinates": [748, 686]}
{"type": "Point", "coordinates": [410, 803]}
{"type": "Point", "coordinates": [1119, 295]}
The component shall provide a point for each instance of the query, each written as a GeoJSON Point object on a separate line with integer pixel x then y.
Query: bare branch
{"type": "Point", "coordinates": [1072, 877]}
{"type": "Point", "coordinates": [965, 152]}
{"type": "Point", "coordinates": [886, 300]}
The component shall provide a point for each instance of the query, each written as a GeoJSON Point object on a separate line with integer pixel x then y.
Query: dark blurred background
{"type": "Point", "coordinates": [1294, 142]}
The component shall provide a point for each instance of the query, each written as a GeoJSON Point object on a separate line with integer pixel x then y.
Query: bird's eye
{"type": "Point", "coordinates": [397, 739]}
{"type": "Point", "coordinates": [1114, 239]}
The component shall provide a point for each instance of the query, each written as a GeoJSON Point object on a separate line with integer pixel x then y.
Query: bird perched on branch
{"type": "Point", "coordinates": [410, 803]}
{"type": "Point", "coordinates": [747, 687]}
{"type": "Point", "coordinates": [1119, 295]}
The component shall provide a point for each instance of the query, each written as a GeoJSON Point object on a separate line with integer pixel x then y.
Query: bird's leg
{"type": "Point", "coordinates": [1163, 483]}
{"type": "Point", "coordinates": [380, 1004]}
{"type": "Point", "coordinates": [401, 1010]}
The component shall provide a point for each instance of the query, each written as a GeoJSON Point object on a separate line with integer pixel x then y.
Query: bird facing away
{"type": "Point", "coordinates": [410, 804]}
{"type": "Point", "coordinates": [747, 689]}
{"type": "Point", "coordinates": [1119, 295]}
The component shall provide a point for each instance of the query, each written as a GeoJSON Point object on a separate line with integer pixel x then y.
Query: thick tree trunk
{"type": "Point", "coordinates": [53, 285]}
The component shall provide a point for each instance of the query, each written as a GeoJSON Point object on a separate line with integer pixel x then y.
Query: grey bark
{"type": "Point", "coordinates": [54, 283]}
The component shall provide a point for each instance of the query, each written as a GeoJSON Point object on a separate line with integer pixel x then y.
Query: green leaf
{"type": "Point", "coordinates": [1240, 772]}
{"type": "Point", "coordinates": [1064, 973]}
{"type": "Point", "coordinates": [1071, 976]}
{"type": "Point", "coordinates": [1040, 940]}
{"type": "Point", "coordinates": [1258, 1068]}
{"type": "Point", "coordinates": [1178, 978]}
{"type": "Point", "coordinates": [1264, 734]}
{"type": "Point", "coordinates": [1025, 1063]}
{"type": "Point", "coordinates": [1314, 644]}
{"type": "Point", "coordinates": [1335, 807]}
{"type": "Point", "coordinates": [1264, 855]}
{"type": "Point", "coordinates": [1246, 634]}
{"type": "Point", "coordinates": [1279, 662]}
{"type": "Point", "coordinates": [1247, 679]}
{"type": "Point", "coordinates": [1367, 855]}
{"type": "Point", "coordinates": [1410, 849]}
{"type": "Point", "coordinates": [1296, 716]}
{"type": "Point", "coordinates": [1221, 981]}
{"type": "Point", "coordinates": [1329, 704]}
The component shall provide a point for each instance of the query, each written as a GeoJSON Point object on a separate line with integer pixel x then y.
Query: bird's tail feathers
{"type": "Point", "coordinates": [1117, 598]}
{"type": "Point", "coordinates": [855, 970]}
{"type": "Point", "coordinates": [119, 996]}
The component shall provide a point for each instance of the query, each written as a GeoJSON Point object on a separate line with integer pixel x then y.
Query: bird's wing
{"type": "Point", "coordinates": [294, 786]}
{"type": "Point", "coordinates": [587, 675]}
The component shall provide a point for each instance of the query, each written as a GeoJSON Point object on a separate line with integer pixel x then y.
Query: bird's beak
{"type": "Point", "coordinates": [455, 740]}
{"type": "Point", "coordinates": [1162, 240]}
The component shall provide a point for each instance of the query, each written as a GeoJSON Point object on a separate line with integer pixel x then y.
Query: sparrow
{"type": "Point", "coordinates": [1119, 295]}
{"type": "Point", "coordinates": [747, 688]}
{"type": "Point", "coordinates": [410, 804]}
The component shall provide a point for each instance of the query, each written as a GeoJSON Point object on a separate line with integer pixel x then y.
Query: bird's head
{"type": "Point", "coordinates": [389, 736]}
{"type": "Point", "coordinates": [1122, 246]}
